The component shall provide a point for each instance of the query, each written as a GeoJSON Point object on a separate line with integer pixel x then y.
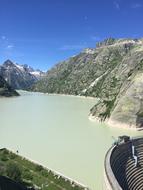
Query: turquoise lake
{"type": "Point", "coordinates": [55, 131]}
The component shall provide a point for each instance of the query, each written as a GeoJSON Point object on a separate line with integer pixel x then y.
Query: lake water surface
{"type": "Point", "coordinates": [55, 131]}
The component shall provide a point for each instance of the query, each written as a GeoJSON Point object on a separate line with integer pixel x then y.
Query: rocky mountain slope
{"type": "Point", "coordinates": [113, 72]}
{"type": "Point", "coordinates": [19, 76]}
{"type": "Point", "coordinates": [6, 90]}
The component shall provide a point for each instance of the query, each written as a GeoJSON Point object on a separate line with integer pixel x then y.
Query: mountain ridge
{"type": "Point", "coordinates": [106, 72]}
{"type": "Point", "coordinates": [19, 76]}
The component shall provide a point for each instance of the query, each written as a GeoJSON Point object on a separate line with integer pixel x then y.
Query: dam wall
{"type": "Point", "coordinates": [123, 166]}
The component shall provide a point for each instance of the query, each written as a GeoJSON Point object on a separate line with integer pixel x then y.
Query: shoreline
{"type": "Point", "coordinates": [54, 94]}
{"type": "Point", "coordinates": [111, 123]}
{"type": "Point", "coordinates": [115, 124]}
{"type": "Point", "coordinates": [70, 95]}
{"type": "Point", "coordinates": [55, 172]}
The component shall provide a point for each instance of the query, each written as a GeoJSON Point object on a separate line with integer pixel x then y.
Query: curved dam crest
{"type": "Point", "coordinates": [123, 165]}
{"type": "Point", "coordinates": [56, 132]}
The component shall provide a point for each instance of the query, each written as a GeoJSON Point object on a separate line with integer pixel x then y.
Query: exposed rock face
{"type": "Point", "coordinates": [19, 76]}
{"type": "Point", "coordinates": [129, 108]}
{"type": "Point", "coordinates": [6, 90]}
{"type": "Point", "coordinates": [112, 72]}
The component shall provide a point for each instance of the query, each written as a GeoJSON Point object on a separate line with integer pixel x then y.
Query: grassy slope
{"type": "Point", "coordinates": [33, 174]}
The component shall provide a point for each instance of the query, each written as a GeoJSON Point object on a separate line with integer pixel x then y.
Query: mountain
{"type": "Point", "coordinates": [112, 72]}
{"type": "Point", "coordinates": [6, 90]}
{"type": "Point", "coordinates": [19, 76]}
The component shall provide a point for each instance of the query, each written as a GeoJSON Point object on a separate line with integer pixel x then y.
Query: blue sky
{"type": "Point", "coordinates": [41, 33]}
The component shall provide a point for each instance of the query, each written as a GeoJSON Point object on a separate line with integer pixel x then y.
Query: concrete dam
{"type": "Point", "coordinates": [123, 166]}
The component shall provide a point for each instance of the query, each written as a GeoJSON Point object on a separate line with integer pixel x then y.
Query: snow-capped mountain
{"type": "Point", "coordinates": [19, 76]}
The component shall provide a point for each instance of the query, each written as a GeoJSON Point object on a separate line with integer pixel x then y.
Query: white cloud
{"type": "Point", "coordinates": [136, 5]}
{"type": "Point", "coordinates": [117, 5]}
{"type": "Point", "coordinates": [10, 46]}
{"type": "Point", "coordinates": [72, 47]}
{"type": "Point", "coordinates": [3, 37]}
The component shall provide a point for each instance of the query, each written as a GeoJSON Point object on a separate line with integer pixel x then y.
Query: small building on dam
{"type": "Point", "coordinates": [123, 166]}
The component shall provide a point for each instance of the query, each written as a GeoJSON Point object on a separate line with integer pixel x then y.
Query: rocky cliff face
{"type": "Point", "coordinates": [6, 90]}
{"type": "Point", "coordinates": [113, 72]}
{"type": "Point", "coordinates": [19, 76]}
